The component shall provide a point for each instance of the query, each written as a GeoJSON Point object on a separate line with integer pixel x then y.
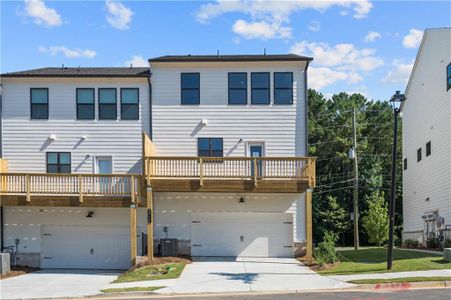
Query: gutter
{"type": "Point", "coordinates": [306, 107]}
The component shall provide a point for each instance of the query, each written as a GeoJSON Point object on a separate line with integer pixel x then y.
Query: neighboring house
{"type": "Point", "coordinates": [213, 146]}
{"type": "Point", "coordinates": [427, 140]}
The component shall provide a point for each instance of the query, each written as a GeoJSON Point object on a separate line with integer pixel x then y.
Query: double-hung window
{"type": "Point", "coordinates": [238, 88]}
{"type": "Point", "coordinates": [58, 162]}
{"type": "Point", "coordinates": [39, 100]}
{"type": "Point", "coordinates": [428, 148]}
{"type": "Point", "coordinates": [283, 88]}
{"type": "Point", "coordinates": [190, 88]}
{"type": "Point", "coordinates": [85, 103]}
{"type": "Point", "coordinates": [107, 104]}
{"type": "Point", "coordinates": [419, 155]}
{"type": "Point", "coordinates": [130, 104]}
{"type": "Point", "coordinates": [448, 77]}
{"type": "Point", "coordinates": [260, 88]}
{"type": "Point", "coordinates": [210, 147]}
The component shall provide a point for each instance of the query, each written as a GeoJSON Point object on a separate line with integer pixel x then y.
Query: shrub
{"type": "Point", "coordinates": [325, 252]}
{"type": "Point", "coordinates": [447, 243]}
{"type": "Point", "coordinates": [409, 243]}
{"type": "Point", "coordinates": [433, 243]}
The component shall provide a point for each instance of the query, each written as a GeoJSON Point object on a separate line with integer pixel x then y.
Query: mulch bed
{"type": "Point", "coordinates": [18, 270]}
{"type": "Point", "coordinates": [315, 266]}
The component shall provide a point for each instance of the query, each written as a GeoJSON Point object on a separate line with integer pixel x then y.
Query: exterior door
{"type": "Point", "coordinates": [256, 150]}
{"type": "Point", "coordinates": [104, 165]}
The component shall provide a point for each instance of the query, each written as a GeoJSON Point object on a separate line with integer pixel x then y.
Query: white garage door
{"type": "Point", "coordinates": [242, 234]}
{"type": "Point", "coordinates": [85, 247]}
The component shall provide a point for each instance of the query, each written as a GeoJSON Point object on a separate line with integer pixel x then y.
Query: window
{"type": "Point", "coordinates": [238, 88]}
{"type": "Point", "coordinates": [107, 104]}
{"type": "Point", "coordinates": [39, 99]}
{"type": "Point", "coordinates": [260, 88]}
{"type": "Point", "coordinates": [448, 76]}
{"type": "Point", "coordinates": [428, 148]}
{"type": "Point", "coordinates": [85, 104]}
{"type": "Point", "coordinates": [419, 154]}
{"type": "Point", "coordinates": [190, 88]}
{"type": "Point", "coordinates": [58, 162]}
{"type": "Point", "coordinates": [283, 88]}
{"type": "Point", "coordinates": [405, 164]}
{"type": "Point", "coordinates": [130, 104]}
{"type": "Point", "coordinates": [210, 147]}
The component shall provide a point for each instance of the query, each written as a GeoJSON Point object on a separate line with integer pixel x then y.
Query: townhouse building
{"type": "Point", "coordinates": [427, 140]}
{"type": "Point", "coordinates": [101, 164]}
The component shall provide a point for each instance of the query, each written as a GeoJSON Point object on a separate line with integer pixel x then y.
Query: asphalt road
{"type": "Point", "coordinates": [420, 294]}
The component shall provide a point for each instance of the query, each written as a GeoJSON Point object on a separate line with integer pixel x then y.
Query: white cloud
{"type": "Point", "coordinates": [372, 36]}
{"type": "Point", "coordinates": [342, 62]}
{"type": "Point", "coordinates": [314, 26]}
{"type": "Point", "coordinates": [262, 30]}
{"type": "Point", "coordinates": [399, 73]}
{"type": "Point", "coordinates": [413, 39]}
{"type": "Point", "coordinates": [41, 14]}
{"type": "Point", "coordinates": [136, 61]}
{"type": "Point", "coordinates": [274, 15]}
{"type": "Point", "coordinates": [67, 52]}
{"type": "Point", "coordinates": [119, 16]}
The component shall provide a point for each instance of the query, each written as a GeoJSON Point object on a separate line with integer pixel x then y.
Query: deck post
{"type": "Point", "coordinates": [28, 183]}
{"type": "Point", "coordinates": [308, 224]}
{"type": "Point", "coordinates": [80, 189]}
{"type": "Point", "coordinates": [133, 238]}
{"type": "Point", "coordinates": [255, 171]}
{"type": "Point", "coordinates": [149, 224]}
{"type": "Point", "coordinates": [201, 171]}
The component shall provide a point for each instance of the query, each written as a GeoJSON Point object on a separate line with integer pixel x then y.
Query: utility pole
{"type": "Point", "coordinates": [356, 183]}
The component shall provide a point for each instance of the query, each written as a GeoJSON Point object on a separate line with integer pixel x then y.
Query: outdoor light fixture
{"type": "Point", "coordinates": [242, 200]}
{"type": "Point", "coordinates": [90, 214]}
{"type": "Point", "coordinates": [52, 137]}
{"type": "Point", "coordinates": [204, 122]}
{"type": "Point", "coordinates": [396, 99]}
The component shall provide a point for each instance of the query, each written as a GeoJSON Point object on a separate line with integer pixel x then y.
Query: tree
{"type": "Point", "coordinates": [375, 221]}
{"type": "Point", "coordinates": [331, 217]}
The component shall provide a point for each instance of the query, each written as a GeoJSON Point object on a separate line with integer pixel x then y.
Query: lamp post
{"type": "Point", "coordinates": [396, 98]}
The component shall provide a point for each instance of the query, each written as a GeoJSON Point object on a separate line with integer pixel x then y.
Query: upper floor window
{"type": "Point", "coordinates": [283, 88]}
{"type": "Point", "coordinates": [448, 76]}
{"type": "Point", "coordinates": [428, 148]}
{"type": "Point", "coordinates": [405, 164]}
{"type": "Point", "coordinates": [190, 88]}
{"type": "Point", "coordinates": [210, 147]}
{"type": "Point", "coordinates": [107, 104]}
{"type": "Point", "coordinates": [58, 162]}
{"type": "Point", "coordinates": [260, 88]}
{"type": "Point", "coordinates": [419, 154]}
{"type": "Point", "coordinates": [39, 99]}
{"type": "Point", "coordinates": [85, 103]}
{"type": "Point", "coordinates": [130, 103]}
{"type": "Point", "coordinates": [238, 88]}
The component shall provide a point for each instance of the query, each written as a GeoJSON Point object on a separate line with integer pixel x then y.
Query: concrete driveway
{"type": "Point", "coordinates": [56, 284]}
{"type": "Point", "coordinates": [244, 274]}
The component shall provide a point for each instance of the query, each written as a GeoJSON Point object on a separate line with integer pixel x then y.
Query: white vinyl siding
{"type": "Point", "coordinates": [25, 141]}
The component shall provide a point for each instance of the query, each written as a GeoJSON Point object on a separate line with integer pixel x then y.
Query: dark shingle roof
{"type": "Point", "coordinates": [230, 58]}
{"type": "Point", "coordinates": [81, 72]}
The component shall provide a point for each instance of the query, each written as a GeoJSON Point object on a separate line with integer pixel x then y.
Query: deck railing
{"type": "Point", "coordinates": [29, 184]}
{"type": "Point", "coordinates": [233, 168]}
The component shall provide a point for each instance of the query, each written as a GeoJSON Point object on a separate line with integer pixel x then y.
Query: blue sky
{"type": "Point", "coordinates": [358, 45]}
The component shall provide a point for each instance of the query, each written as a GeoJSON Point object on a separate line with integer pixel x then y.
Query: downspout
{"type": "Point", "coordinates": [306, 108]}
{"type": "Point", "coordinates": [2, 232]}
{"type": "Point", "coordinates": [150, 106]}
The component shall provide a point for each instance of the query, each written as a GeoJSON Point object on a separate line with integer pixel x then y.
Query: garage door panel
{"type": "Point", "coordinates": [242, 234]}
{"type": "Point", "coordinates": [85, 247]}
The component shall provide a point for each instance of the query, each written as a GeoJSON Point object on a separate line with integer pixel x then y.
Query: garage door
{"type": "Point", "coordinates": [242, 234]}
{"type": "Point", "coordinates": [85, 247]}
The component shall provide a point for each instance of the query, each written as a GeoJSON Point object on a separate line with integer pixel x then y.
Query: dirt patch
{"type": "Point", "coordinates": [17, 271]}
{"type": "Point", "coordinates": [316, 266]}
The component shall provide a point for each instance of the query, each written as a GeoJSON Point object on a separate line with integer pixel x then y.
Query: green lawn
{"type": "Point", "coordinates": [400, 280]}
{"type": "Point", "coordinates": [152, 273]}
{"type": "Point", "coordinates": [373, 260]}
{"type": "Point", "coordinates": [133, 289]}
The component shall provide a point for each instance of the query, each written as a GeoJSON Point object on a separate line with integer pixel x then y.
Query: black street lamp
{"type": "Point", "coordinates": [396, 98]}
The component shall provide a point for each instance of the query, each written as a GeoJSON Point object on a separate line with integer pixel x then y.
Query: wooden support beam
{"type": "Point", "coordinates": [133, 234]}
{"type": "Point", "coordinates": [149, 224]}
{"type": "Point", "coordinates": [308, 224]}
{"type": "Point", "coordinates": [255, 171]}
{"type": "Point", "coordinates": [132, 189]}
{"type": "Point", "coordinates": [28, 183]}
{"type": "Point", "coordinates": [80, 189]}
{"type": "Point", "coordinates": [201, 171]}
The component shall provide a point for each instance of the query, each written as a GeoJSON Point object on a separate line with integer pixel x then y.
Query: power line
{"type": "Point", "coordinates": [328, 191]}
{"type": "Point", "coordinates": [327, 142]}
